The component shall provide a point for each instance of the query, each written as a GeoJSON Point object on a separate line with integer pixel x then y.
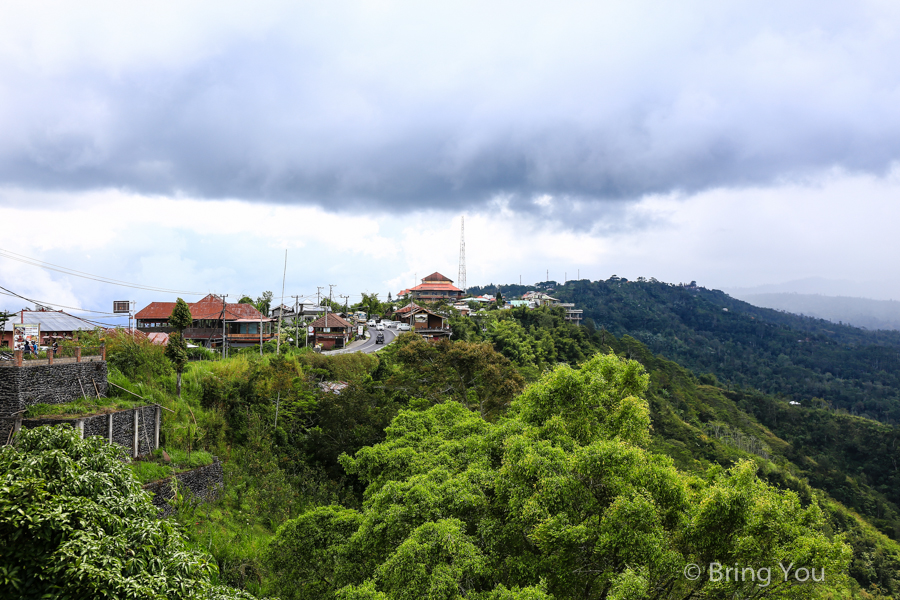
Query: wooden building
{"type": "Point", "coordinates": [243, 324]}
{"type": "Point", "coordinates": [330, 331]}
{"type": "Point", "coordinates": [426, 323]}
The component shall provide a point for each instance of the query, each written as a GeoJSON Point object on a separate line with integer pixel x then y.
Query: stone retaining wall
{"type": "Point", "coordinates": [204, 484]}
{"type": "Point", "coordinates": [117, 427]}
{"type": "Point", "coordinates": [21, 387]}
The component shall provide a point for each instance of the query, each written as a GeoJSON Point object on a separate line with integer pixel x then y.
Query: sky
{"type": "Point", "coordinates": [185, 146]}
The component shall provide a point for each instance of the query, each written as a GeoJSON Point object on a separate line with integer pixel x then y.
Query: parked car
{"type": "Point", "coordinates": [379, 339]}
{"type": "Point", "coordinates": [371, 323]}
{"type": "Point", "coordinates": [404, 326]}
{"type": "Point", "coordinates": [379, 327]}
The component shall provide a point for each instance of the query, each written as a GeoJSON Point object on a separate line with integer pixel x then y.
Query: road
{"type": "Point", "coordinates": [369, 345]}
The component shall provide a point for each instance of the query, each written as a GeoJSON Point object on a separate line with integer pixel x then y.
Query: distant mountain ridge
{"type": "Point", "coordinates": [860, 312]}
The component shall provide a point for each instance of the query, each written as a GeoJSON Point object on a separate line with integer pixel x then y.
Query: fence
{"type": "Point", "coordinates": [64, 355]}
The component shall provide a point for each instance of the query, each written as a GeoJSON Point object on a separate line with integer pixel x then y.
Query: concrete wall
{"type": "Point", "coordinates": [205, 484]}
{"type": "Point", "coordinates": [117, 427]}
{"type": "Point", "coordinates": [20, 387]}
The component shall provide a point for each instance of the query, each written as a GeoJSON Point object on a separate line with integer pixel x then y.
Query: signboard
{"type": "Point", "coordinates": [312, 329]}
{"type": "Point", "coordinates": [121, 306]}
{"type": "Point", "coordinates": [359, 330]}
{"type": "Point", "coordinates": [26, 333]}
{"type": "Point", "coordinates": [420, 318]}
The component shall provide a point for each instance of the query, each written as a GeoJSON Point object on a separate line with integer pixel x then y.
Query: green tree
{"type": "Point", "coordinates": [176, 349]}
{"type": "Point", "coordinates": [75, 523]}
{"type": "Point", "coordinates": [561, 498]}
{"type": "Point", "coordinates": [264, 303]}
{"type": "Point", "coordinates": [176, 352]}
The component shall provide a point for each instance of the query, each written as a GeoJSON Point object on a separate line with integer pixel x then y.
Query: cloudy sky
{"type": "Point", "coordinates": [186, 145]}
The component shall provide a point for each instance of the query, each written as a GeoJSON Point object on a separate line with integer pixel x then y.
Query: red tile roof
{"type": "Point", "coordinates": [437, 277]}
{"type": "Point", "coordinates": [436, 287]}
{"type": "Point", "coordinates": [209, 307]}
{"type": "Point", "coordinates": [332, 321]}
{"type": "Point", "coordinates": [407, 308]}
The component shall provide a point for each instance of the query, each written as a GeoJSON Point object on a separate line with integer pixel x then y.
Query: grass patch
{"type": "Point", "coordinates": [78, 408]}
{"type": "Point", "coordinates": [154, 467]}
{"type": "Point", "coordinates": [181, 460]}
{"type": "Point", "coordinates": [147, 471]}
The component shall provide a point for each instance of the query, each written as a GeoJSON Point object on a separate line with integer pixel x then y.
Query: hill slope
{"type": "Point", "coordinates": [811, 361]}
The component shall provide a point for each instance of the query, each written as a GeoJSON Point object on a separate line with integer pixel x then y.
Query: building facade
{"type": "Point", "coordinates": [433, 288]}
{"type": "Point", "coordinates": [330, 332]}
{"type": "Point", "coordinates": [212, 321]}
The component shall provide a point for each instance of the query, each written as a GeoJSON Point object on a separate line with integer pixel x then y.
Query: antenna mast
{"type": "Point", "coordinates": [461, 278]}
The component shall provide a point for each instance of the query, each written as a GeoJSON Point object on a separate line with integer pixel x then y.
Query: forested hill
{"type": "Point", "coordinates": [812, 361]}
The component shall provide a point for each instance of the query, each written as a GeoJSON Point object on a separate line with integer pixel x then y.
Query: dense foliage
{"type": "Point", "coordinates": [74, 523]}
{"type": "Point", "coordinates": [560, 499]}
{"type": "Point", "coordinates": [448, 427]}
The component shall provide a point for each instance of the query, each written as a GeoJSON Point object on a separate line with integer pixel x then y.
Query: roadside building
{"type": "Point", "coordinates": [433, 288]}
{"type": "Point", "coordinates": [426, 323]}
{"type": "Point", "coordinates": [213, 320]}
{"type": "Point", "coordinates": [55, 325]}
{"type": "Point", "coordinates": [330, 331]}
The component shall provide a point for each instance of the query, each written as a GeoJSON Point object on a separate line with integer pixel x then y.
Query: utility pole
{"type": "Point", "coordinates": [319, 289]}
{"type": "Point", "coordinates": [296, 321]}
{"type": "Point", "coordinates": [461, 277]}
{"type": "Point", "coordinates": [345, 301]}
{"type": "Point", "coordinates": [281, 308]}
{"type": "Point", "coordinates": [224, 345]}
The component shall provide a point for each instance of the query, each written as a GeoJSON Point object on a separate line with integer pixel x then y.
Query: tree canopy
{"type": "Point", "coordinates": [560, 498]}
{"type": "Point", "coordinates": [75, 523]}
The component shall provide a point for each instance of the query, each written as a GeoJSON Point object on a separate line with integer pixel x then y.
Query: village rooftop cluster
{"type": "Point", "coordinates": [425, 308]}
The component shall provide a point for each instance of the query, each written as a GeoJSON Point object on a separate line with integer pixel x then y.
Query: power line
{"type": "Point", "coordinates": [67, 271]}
{"type": "Point", "coordinates": [43, 303]}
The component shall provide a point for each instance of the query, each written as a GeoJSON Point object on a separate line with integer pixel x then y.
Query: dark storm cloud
{"type": "Point", "coordinates": [277, 121]}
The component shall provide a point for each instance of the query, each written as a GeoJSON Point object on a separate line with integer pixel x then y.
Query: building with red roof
{"type": "Point", "coordinates": [433, 288]}
{"type": "Point", "coordinates": [330, 331]}
{"type": "Point", "coordinates": [243, 324]}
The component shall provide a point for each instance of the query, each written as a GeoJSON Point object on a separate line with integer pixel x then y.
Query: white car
{"type": "Point", "coordinates": [379, 327]}
{"type": "Point", "coordinates": [371, 323]}
{"type": "Point", "coordinates": [404, 327]}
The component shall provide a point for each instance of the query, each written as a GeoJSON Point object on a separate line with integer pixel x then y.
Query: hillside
{"type": "Point", "coordinates": [809, 360]}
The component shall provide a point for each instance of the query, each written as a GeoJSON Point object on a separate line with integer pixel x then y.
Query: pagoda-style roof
{"type": "Point", "coordinates": [437, 278]}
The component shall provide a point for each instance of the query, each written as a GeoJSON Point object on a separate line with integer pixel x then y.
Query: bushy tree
{"type": "Point", "coordinates": [75, 523]}
{"type": "Point", "coordinates": [562, 498]}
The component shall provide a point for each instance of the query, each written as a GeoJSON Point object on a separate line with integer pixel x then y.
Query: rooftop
{"type": "Point", "coordinates": [50, 320]}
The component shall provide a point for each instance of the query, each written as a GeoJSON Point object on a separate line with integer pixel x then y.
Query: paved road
{"type": "Point", "coordinates": [369, 345]}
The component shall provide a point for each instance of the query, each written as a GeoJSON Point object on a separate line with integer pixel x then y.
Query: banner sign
{"type": "Point", "coordinates": [421, 318]}
{"type": "Point", "coordinates": [359, 330]}
{"type": "Point", "coordinates": [26, 333]}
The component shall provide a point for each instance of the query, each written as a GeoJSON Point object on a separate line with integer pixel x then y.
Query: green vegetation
{"type": "Point", "coordinates": [526, 457]}
{"type": "Point", "coordinates": [156, 467]}
{"type": "Point", "coordinates": [559, 499]}
{"type": "Point", "coordinates": [75, 524]}
{"type": "Point", "coordinates": [176, 348]}
{"type": "Point", "coordinates": [747, 347]}
{"type": "Point", "coordinates": [80, 408]}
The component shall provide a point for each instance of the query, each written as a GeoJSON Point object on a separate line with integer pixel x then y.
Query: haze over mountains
{"type": "Point", "coordinates": [869, 304]}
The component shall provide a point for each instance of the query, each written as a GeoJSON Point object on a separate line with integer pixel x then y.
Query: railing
{"type": "Point", "coordinates": [62, 355]}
